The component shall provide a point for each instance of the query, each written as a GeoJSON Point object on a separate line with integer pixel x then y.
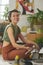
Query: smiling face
{"type": "Point", "coordinates": [14, 17]}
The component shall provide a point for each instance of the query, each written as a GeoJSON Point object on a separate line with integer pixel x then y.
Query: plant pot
{"type": "Point", "coordinates": [38, 28]}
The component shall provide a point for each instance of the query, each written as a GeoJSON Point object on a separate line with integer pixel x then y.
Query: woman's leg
{"type": "Point", "coordinates": [9, 54]}
{"type": "Point", "coordinates": [19, 52]}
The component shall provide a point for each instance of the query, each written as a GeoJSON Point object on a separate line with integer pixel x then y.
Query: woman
{"type": "Point", "coordinates": [12, 32]}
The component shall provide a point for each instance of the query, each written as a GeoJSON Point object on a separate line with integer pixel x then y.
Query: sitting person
{"type": "Point", "coordinates": [11, 34]}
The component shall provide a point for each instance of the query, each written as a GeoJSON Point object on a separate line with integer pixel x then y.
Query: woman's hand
{"type": "Point", "coordinates": [34, 45]}
{"type": "Point", "coordinates": [27, 48]}
{"type": "Point", "coordinates": [23, 47]}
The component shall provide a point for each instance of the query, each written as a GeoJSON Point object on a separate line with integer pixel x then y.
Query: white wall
{"type": "Point", "coordinates": [38, 4]}
{"type": "Point", "coordinates": [12, 4]}
{"type": "Point", "coordinates": [23, 21]}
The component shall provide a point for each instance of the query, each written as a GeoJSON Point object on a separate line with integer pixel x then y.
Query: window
{"type": "Point", "coordinates": [3, 4]}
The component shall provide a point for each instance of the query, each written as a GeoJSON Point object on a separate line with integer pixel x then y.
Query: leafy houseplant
{"type": "Point", "coordinates": [36, 19]}
{"type": "Point", "coordinates": [31, 19]}
{"type": "Point", "coordinates": [39, 41]}
{"type": "Point", "coordinates": [5, 16]}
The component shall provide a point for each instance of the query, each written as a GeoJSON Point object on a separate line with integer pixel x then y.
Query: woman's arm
{"type": "Point", "coordinates": [12, 39]}
{"type": "Point", "coordinates": [28, 41]}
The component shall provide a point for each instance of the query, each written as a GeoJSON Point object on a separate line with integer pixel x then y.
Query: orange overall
{"type": "Point", "coordinates": [9, 52]}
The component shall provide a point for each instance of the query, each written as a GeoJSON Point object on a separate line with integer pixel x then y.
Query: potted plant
{"type": "Point", "coordinates": [39, 41]}
{"type": "Point", "coordinates": [5, 16]}
{"type": "Point", "coordinates": [36, 19]}
{"type": "Point", "coordinates": [31, 19]}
